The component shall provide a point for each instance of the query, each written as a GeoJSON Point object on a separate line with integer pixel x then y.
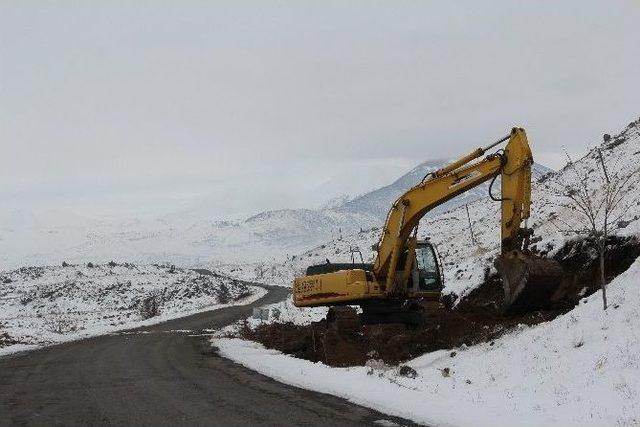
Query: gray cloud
{"type": "Point", "coordinates": [261, 102]}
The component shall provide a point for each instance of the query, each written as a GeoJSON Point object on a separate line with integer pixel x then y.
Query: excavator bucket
{"type": "Point", "coordinates": [529, 281]}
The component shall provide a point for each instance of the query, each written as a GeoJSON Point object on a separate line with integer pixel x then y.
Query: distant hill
{"type": "Point", "coordinates": [192, 238]}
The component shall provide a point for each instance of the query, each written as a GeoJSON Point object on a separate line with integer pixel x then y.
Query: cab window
{"type": "Point", "coordinates": [427, 266]}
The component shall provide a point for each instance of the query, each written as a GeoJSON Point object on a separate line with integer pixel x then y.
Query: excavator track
{"type": "Point", "coordinates": [416, 313]}
{"type": "Point", "coordinates": [343, 319]}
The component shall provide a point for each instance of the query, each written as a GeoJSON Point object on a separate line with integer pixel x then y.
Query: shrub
{"type": "Point", "coordinates": [61, 324]}
{"type": "Point", "coordinates": [223, 294]}
{"type": "Point", "coordinates": [149, 306]}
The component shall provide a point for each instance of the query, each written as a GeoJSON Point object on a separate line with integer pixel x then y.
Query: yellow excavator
{"type": "Point", "coordinates": [407, 271]}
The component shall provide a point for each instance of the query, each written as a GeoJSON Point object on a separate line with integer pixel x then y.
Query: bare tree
{"type": "Point", "coordinates": [599, 204]}
{"type": "Point", "coordinates": [473, 237]}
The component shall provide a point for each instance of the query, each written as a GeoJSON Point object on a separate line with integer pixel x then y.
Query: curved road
{"type": "Point", "coordinates": [161, 375]}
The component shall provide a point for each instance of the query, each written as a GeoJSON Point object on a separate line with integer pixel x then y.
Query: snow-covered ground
{"type": "Point", "coordinates": [580, 369]}
{"type": "Point", "coordinates": [282, 312]}
{"type": "Point", "coordinates": [188, 239]}
{"type": "Point", "coordinates": [46, 305]}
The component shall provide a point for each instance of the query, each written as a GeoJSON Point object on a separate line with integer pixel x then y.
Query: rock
{"type": "Point", "coordinates": [617, 141]}
{"type": "Point", "coordinates": [408, 372]}
{"type": "Point", "coordinates": [623, 223]}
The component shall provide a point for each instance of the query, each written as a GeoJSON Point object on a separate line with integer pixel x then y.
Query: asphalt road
{"type": "Point", "coordinates": [161, 375]}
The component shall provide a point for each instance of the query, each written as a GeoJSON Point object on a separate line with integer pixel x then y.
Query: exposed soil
{"type": "Point", "coordinates": [392, 343]}
{"type": "Point", "coordinates": [474, 319]}
{"type": "Point", "coordinates": [579, 260]}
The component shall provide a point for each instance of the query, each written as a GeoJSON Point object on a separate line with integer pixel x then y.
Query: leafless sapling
{"type": "Point", "coordinates": [598, 203]}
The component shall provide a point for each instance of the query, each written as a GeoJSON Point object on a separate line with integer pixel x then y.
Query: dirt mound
{"type": "Point", "coordinates": [474, 319]}
{"type": "Point", "coordinates": [392, 343]}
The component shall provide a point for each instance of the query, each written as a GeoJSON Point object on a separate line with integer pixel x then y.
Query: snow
{"type": "Point", "coordinates": [286, 312]}
{"type": "Point", "coordinates": [48, 305]}
{"type": "Point", "coordinates": [579, 369]}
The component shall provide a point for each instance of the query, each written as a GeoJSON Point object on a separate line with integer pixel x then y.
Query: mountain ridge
{"type": "Point", "coordinates": [190, 239]}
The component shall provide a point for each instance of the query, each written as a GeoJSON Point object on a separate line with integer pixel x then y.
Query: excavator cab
{"type": "Point", "coordinates": [426, 273]}
{"type": "Point", "coordinates": [419, 281]}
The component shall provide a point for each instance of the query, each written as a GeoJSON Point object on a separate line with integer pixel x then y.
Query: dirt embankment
{"type": "Point", "coordinates": [392, 343]}
{"type": "Point", "coordinates": [474, 319]}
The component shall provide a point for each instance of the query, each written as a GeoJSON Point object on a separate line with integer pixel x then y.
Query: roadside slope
{"type": "Point", "coordinates": [47, 305]}
{"type": "Point", "coordinates": [579, 369]}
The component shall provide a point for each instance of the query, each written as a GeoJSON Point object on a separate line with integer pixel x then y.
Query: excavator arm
{"type": "Point", "coordinates": [514, 166]}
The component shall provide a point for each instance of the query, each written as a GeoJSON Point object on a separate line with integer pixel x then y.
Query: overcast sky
{"type": "Point", "coordinates": [145, 106]}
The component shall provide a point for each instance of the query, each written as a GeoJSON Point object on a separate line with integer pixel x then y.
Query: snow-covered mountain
{"type": "Point", "coordinates": [290, 231]}
{"type": "Point", "coordinates": [191, 237]}
{"type": "Point", "coordinates": [354, 180]}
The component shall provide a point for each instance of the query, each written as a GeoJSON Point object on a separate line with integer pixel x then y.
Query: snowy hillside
{"type": "Point", "coordinates": [464, 261]}
{"type": "Point", "coordinates": [45, 305]}
{"type": "Point", "coordinates": [579, 369]}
